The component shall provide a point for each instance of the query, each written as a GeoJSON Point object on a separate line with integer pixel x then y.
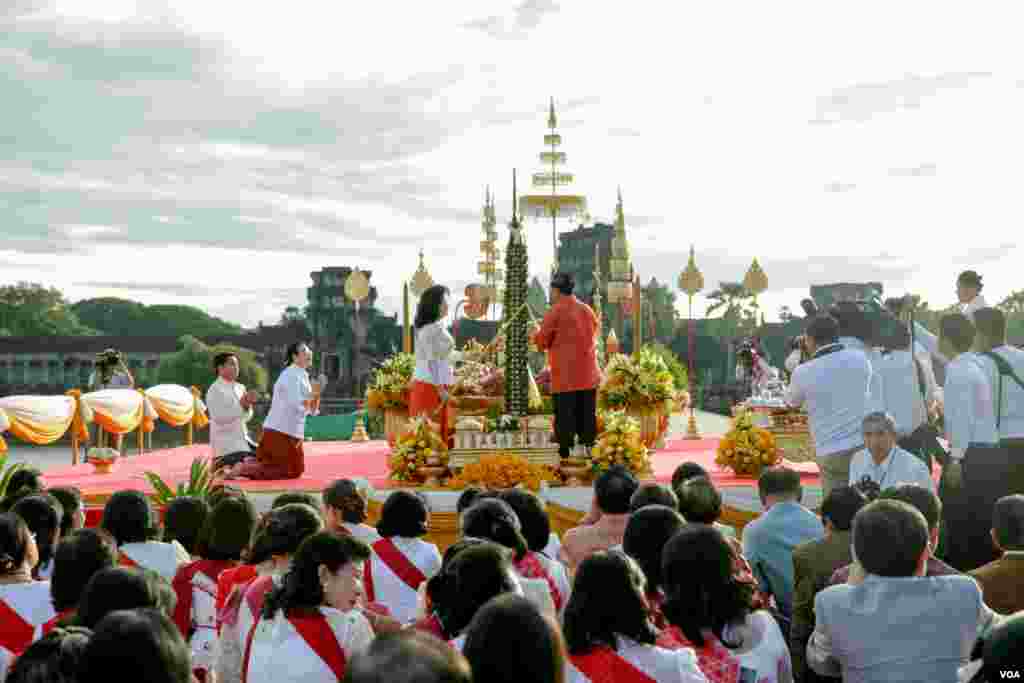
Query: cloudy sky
{"type": "Point", "coordinates": [215, 153]}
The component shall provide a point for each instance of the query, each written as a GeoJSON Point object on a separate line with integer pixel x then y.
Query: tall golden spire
{"type": "Point", "coordinates": [552, 203]}
{"type": "Point", "coordinates": [620, 277]}
{"type": "Point", "coordinates": [490, 254]}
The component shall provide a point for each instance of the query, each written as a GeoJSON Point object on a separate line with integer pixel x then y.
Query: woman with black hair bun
{"type": "Point", "coordinates": [437, 590]}
{"type": "Point", "coordinates": [401, 560]}
{"type": "Point", "coordinates": [54, 658]}
{"type": "Point", "coordinates": [542, 543]}
{"type": "Point", "coordinates": [492, 519]}
{"type": "Point", "coordinates": [275, 542]}
{"type": "Point", "coordinates": [608, 630]}
{"type": "Point", "coordinates": [476, 574]}
{"type": "Point", "coordinates": [435, 354]}
{"type": "Point", "coordinates": [649, 529]}
{"type": "Point", "coordinates": [25, 605]}
{"type": "Point", "coordinates": [709, 610]}
{"type": "Point", "coordinates": [311, 624]}
{"type": "Point", "coordinates": [510, 641]}
{"type": "Point", "coordinates": [220, 544]}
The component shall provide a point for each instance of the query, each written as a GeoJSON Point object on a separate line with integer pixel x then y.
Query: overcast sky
{"type": "Point", "coordinates": [215, 153]}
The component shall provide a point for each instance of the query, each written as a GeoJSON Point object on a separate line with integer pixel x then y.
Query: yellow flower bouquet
{"type": "Point", "coordinates": [420, 446]}
{"type": "Point", "coordinates": [503, 471]}
{"type": "Point", "coordinates": [641, 382]}
{"type": "Point", "coordinates": [620, 443]}
{"type": "Point", "coordinates": [747, 449]}
{"type": "Point", "coordinates": [390, 385]}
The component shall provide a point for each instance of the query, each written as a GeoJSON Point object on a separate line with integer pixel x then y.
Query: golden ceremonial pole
{"type": "Point", "coordinates": [406, 330]}
{"type": "Point", "coordinates": [691, 281]}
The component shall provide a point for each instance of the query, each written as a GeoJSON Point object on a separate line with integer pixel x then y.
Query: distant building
{"type": "Point", "coordinates": [50, 365]}
{"type": "Point", "coordinates": [576, 256]}
{"type": "Point", "coordinates": [826, 295]}
{"type": "Point", "coordinates": [347, 340]}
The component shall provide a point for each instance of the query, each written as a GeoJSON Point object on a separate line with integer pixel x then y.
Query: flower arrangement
{"type": "Point", "coordinates": [503, 471]}
{"type": "Point", "coordinates": [747, 449]}
{"type": "Point", "coordinates": [390, 386]}
{"type": "Point", "coordinates": [418, 447]}
{"type": "Point", "coordinates": [620, 443]}
{"type": "Point", "coordinates": [642, 382]}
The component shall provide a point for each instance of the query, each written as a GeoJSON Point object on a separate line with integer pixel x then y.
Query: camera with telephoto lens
{"type": "Point", "coordinates": [869, 487]}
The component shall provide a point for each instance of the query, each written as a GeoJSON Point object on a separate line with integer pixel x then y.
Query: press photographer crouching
{"type": "Point", "coordinates": [883, 464]}
{"type": "Point", "coordinates": [111, 373]}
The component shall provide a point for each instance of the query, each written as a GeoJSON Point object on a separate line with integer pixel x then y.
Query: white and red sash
{"type": "Point", "coordinates": [25, 609]}
{"type": "Point", "coordinates": [316, 632]}
{"type": "Point", "coordinates": [184, 587]}
{"type": "Point", "coordinates": [397, 562]}
{"type": "Point", "coordinates": [124, 561]}
{"type": "Point", "coordinates": [604, 665]}
{"type": "Point", "coordinates": [153, 555]}
{"type": "Point", "coordinates": [531, 567]}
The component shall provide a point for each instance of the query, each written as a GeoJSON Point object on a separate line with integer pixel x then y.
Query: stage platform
{"type": "Point", "coordinates": [327, 461]}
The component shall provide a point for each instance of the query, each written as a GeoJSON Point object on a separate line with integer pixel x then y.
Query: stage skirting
{"type": "Point", "coordinates": [327, 461]}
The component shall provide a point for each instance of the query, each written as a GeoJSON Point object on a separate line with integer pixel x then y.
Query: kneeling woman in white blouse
{"type": "Point", "coordinates": [311, 625]}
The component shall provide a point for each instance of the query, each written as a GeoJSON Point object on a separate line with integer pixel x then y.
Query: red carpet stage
{"type": "Point", "coordinates": [327, 461]}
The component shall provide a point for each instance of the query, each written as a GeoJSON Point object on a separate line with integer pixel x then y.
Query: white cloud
{"type": "Point", "coordinates": [238, 147]}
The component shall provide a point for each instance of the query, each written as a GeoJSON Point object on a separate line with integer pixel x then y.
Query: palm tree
{"type": "Point", "coordinates": [1014, 303]}
{"type": "Point", "coordinates": [737, 306]}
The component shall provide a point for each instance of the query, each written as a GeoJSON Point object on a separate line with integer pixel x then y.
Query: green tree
{"type": "Point", "coordinates": [32, 310]}
{"type": "Point", "coordinates": [132, 319]}
{"type": "Point", "coordinates": [192, 365]}
{"type": "Point", "coordinates": [1013, 304]}
{"type": "Point", "coordinates": [738, 313]}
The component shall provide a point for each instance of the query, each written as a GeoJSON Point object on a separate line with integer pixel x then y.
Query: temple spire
{"type": "Point", "coordinates": [552, 119]}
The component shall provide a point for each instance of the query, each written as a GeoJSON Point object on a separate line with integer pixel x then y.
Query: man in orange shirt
{"type": "Point", "coordinates": [569, 331]}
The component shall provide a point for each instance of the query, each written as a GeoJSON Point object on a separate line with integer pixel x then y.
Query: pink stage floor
{"type": "Point", "coordinates": [327, 461]}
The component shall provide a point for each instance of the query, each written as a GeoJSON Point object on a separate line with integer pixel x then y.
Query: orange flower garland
{"type": "Point", "coordinates": [503, 471]}
{"type": "Point", "coordinates": [747, 449]}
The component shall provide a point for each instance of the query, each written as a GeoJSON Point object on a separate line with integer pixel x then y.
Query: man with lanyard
{"type": "Point", "coordinates": [969, 300]}
{"type": "Point", "coordinates": [1004, 366]}
{"type": "Point", "coordinates": [834, 389]}
{"type": "Point", "coordinates": [974, 449]}
{"type": "Point", "coordinates": [883, 464]}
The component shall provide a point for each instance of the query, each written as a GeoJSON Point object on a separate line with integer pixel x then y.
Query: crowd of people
{"type": "Point", "coordinates": [650, 587]}
{"type": "Point", "coordinates": [891, 578]}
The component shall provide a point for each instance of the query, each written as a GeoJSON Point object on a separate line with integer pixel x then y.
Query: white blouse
{"type": "Point", "coordinates": [287, 408]}
{"type": "Point", "coordinates": [279, 654]}
{"type": "Point", "coordinates": [435, 353]}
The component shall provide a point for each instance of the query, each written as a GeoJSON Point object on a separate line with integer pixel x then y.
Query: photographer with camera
{"type": "Point", "coordinates": [111, 373]}
{"type": "Point", "coordinates": [882, 463]}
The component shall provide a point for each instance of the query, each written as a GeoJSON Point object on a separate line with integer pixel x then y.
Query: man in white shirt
{"type": "Point", "coordinates": [280, 454]}
{"type": "Point", "coordinates": [969, 300]}
{"type": "Point", "coordinates": [971, 429]}
{"type": "Point", "coordinates": [230, 407]}
{"type": "Point", "coordinates": [857, 331]}
{"type": "Point", "coordinates": [833, 387]}
{"type": "Point", "coordinates": [884, 463]}
{"type": "Point", "coordinates": [909, 387]}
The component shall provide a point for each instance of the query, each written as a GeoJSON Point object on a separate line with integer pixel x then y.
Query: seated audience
{"type": "Point", "coordinates": [895, 623]}
{"type": "Point", "coordinates": [509, 641]}
{"type": "Point", "coordinates": [401, 560]}
{"type": "Point", "coordinates": [42, 513]}
{"type": "Point", "coordinates": [289, 497]}
{"type": "Point", "coordinates": [282, 532]}
{"type": "Point", "coordinates": [223, 538]}
{"type": "Point", "coordinates": [653, 494]}
{"type": "Point", "coordinates": [311, 624]}
{"type": "Point", "coordinates": [492, 519]}
{"type": "Point", "coordinates": [24, 482]}
{"type": "Point", "coordinates": [605, 524]}
{"type": "Point", "coordinates": [536, 528]}
{"type": "Point", "coordinates": [128, 517]}
{"type": "Point", "coordinates": [55, 658]}
{"type": "Point", "coordinates": [345, 511]}
{"type": "Point", "coordinates": [686, 471]}
{"type": "Point", "coordinates": [70, 499]}
{"type": "Point", "coordinates": [649, 529]}
{"type": "Point", "coordinates": [142, 644]}
{"type": "Point", "coordinates": [608, 631]}
{"type": "Point", "coordinates": [712, 612]}
{"type": "Point", "coordinates": [79, 557]}
{"type": "Point", "coordinates": [123, 588]}
{"type": "Point", "coordinates": [813, 565]}
{"type": "Point", "coordinates": [1001, 652]}
{"type": "Point", "coordinates": [1002, 580]}
{"type": "Point", "coordinates": [183, 522]}
{"type": "Point", "coordinates": [409, 656]}
{"type": "Point", "coordinates": [25, 606]}
{"type": "Point", "coordinates": [769, 540]}
{"type": "Point", "coordinates": [477, 572]}
{"type": "Point", "coordinates": [927, 503]}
